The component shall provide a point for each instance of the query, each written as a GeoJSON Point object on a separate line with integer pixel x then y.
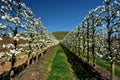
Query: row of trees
{"type": "Point", "coordinates": [98, 35]}
{"type": "Point", "coordinates": [22, 31]}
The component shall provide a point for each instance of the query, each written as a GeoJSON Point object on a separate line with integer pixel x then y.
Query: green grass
{"type": "Point", "coordinates": [49, 60]}
{"type": "Point", "coordinates": [105, 65]}
{"type": "Point", "coordinates": [60, 35]}
{"type": "Point", "coordinates": [60, 68]}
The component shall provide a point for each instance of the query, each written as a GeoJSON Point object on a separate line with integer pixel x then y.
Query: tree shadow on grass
{"type": "Point", "coordinates": [83, 70]}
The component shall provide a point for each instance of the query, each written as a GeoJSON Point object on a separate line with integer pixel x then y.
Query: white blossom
{"type": "Point", "coordinates": [22, 56]}
{"type": "Point", "coordinates": [15, 20]}
{"type": "Point", "coordinates": [101, 56]}
{"type": "Point", "coordinates": [15, 3]}
{"type": "Point", "coordinates": [1, 38]}
{"type": "Point", "coordinates": [10, 46]}
{"type": "Point", "coordinates": [12, 51]}
{"type": "Point", "coordinates": [106, 0]}
{"type": "Point", "coordinates": [10, 35]}
{"type": "Point", "coordinates": [3, 45]}
{"type": "Point", "coordinates": [23, 5]}
{"type": "Point", "coordinates": [3, 27]}
{"type": "Point", "coordinates": [17, 52]}
{"type": "Point", "coordinates": [4, 1]}
{"type": "Point", "coordinates": [17, 37]}
{"type": "Point", "coordinates": [117, 13]}
{"type": "Point", "coordinates": [1, 54]}
{"type": "Point", "coordinates": [3, 17]}
{"type": "Point", "coordinates": [10, 0]}
{"type": "Point", "coordinates": [115, 2]}
{"type": "Point", "coordinates": [109, 57]}
{"type": "Point", "coordinates": [24, 45]}
{"type": "Point", "coordinates": [0, 24]}
{"type": "Point", "coordinates": [8, 54]}
{"type": "Point", "coordinates": [2, 7]}
{"type": "Point", "coordinates": [27, 51]}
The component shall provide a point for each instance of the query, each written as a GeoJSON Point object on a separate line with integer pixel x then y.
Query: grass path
{"type": "Point", "coordinates": [38, 70]}
{"type": "Point", "coordinates": [52, 66]}
{"type": "Point", "coordinates": [60, 69]}
{"type": "Point", "coordinates": [105, 65]}
{"type": "Point", "coordinates": [47, 64]}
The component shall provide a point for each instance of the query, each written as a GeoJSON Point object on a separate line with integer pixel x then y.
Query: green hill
{"type": "Point", "coordinates": [60, 35]}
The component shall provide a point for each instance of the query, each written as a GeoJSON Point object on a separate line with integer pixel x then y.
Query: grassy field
{"type": "Point", "coordinates": [60, 35]}
{"type": "Point", "coordinates": [105, 65]}
{"type": "Point", "coordinates": [60, 68]}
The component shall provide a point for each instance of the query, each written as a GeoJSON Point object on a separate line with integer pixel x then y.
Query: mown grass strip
{"type": "Point", "coordinates": [49, 60]}
{"type": "Point", "coordinates": [60, 68]}
{"type": "Point", "coordinates": [105, 65]}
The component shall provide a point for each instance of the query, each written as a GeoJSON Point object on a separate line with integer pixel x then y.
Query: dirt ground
{"type": "Point", "coordinates": [35, 70]}
{"type": "Point", "coordinates": [80, 69]}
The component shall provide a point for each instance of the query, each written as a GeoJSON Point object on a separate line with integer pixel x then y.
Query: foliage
{"type": "Point", "coordinates": [25, 32]}
{"type": "Point", "coordinates": [98, 35]}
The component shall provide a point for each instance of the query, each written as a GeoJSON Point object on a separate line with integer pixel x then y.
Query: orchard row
{"type": "Point", "coordinates": [98, 35]}
{"type": "Point", "coordinates": [21, 35]}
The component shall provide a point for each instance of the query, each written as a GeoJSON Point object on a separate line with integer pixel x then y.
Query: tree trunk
{"type": "Point", "coordinates": [28, 62]}
{"type": "Point", "coordinates": [41, 54]}
{"type": "Point", "coordinates": [94, 61]}
{"type": "Point", "coordinates": [112, 76]}
{"type": "Point", "coordinates": [12, 75]}
{"type": "Point", "coordinates": [87, 41]}
{"type": "Point", "coordinates": [37, 57]}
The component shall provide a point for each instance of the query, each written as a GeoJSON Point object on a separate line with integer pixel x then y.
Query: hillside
{"type": "Point", "coordinates": [60, 35]}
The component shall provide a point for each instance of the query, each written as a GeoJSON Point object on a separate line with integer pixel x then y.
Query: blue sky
{"type": "Point", "coordinates": [61, 15]}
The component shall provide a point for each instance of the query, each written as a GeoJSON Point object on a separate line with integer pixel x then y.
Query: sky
{"type": "Point", "coordinates": [61, 15]}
